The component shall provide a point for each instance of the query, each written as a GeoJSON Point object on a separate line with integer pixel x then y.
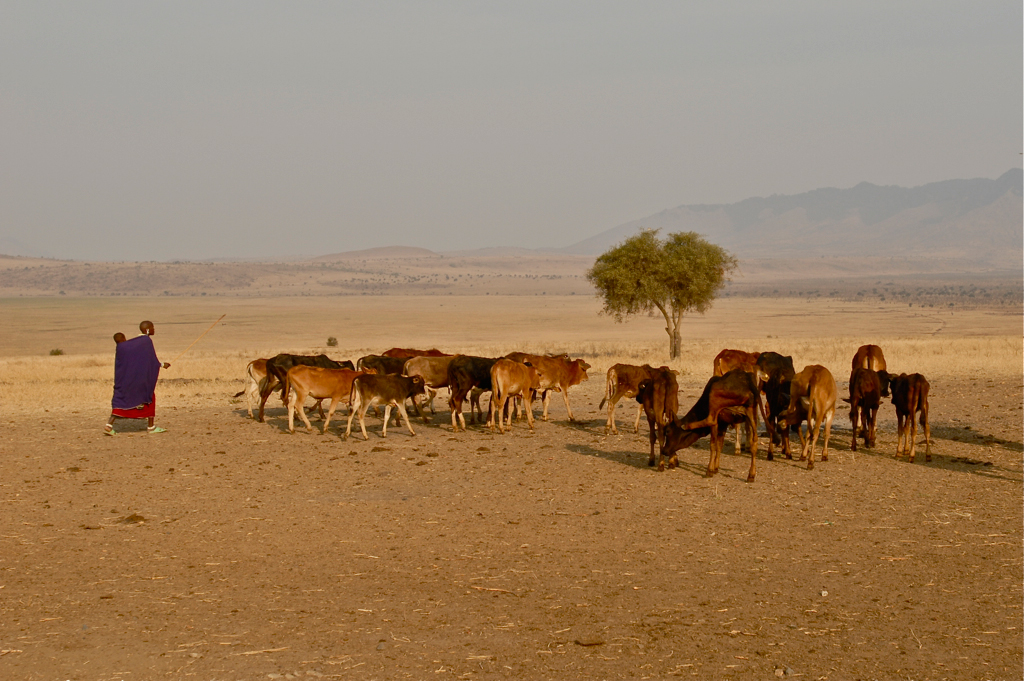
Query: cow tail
{"type": "Point", "coordinates": [613, 383]}
{"type": "Point", "coordinates": [284, 390]}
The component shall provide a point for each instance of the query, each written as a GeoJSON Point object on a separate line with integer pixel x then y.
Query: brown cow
{"type": "Point", "coordinates": [434, 371]}
{"type": "Point", "coordinates": [910, 395]}
{"type": "Point", "coordinates": [868, 357]}
{"type": "Point", "coordinates": [407, 353]}
{"type": "Point", "coordinates": [867, 388]}
{"type": "Point", "coordinates": [659, 396]}
{"type": "Point", "coordinates": [467, 376]}
{"type": "Point", "coordinates": [322, 384]}
{"type": "Point", "coordinates": [731, 399]}
{"type": "Point", "coordinates": [727, 360]}
{"type": "Point", "coordinates": [558, 374]}
{"type": "Point", "coordinates": [389, 390]}
{"type": "Point", "coordinates": [624, 381]}
{"type": "Point", "coordinates": [812, 396]}
{"type": "Point", "coordinates": [509, 378]}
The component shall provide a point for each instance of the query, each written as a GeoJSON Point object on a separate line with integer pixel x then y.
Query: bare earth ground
{"type": "Point", "coordinates": [229, 549]}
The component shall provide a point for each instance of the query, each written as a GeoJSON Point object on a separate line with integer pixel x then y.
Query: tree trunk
{"type": "Point", "coordinates": [675, 341]}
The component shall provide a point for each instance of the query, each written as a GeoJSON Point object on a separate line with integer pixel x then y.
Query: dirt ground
{"type": "Point", "coordinates": [229, 549]}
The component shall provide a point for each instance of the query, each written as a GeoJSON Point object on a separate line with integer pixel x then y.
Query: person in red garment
{"type": "Point", "coordinates": [136, 370]}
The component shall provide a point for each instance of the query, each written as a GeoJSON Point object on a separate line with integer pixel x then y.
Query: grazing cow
{"type": "Point", "coordinates": [382, 364]}
{"type": "Point", "coordinates": [407, 353]}
{"type": "Point", "coordinates": [869, 357]}
{"type": "Point", "coordinates": [867, 388]}
{"type": "Point", "coordinates": [558, 374]}
{"type": "Point", "coordinates": [332, 384]}
{"type": "Point", "coordinates": [467, 373]}
{"type": "Point", "coordinates": [910, 395]}
{"type": "Point", "coordinates": [659, 396]}
{"type": "Point", "coordinates": [509, 378]}
{"type": "Point", "coordinates": [624, 381]}
{"type": "Point", "coordinates": [812, 396]}
{"type": "Point", "coordinates": [277, 369]}
{"type": "Point", "coordinates": [389, 390]}
{"type": "Point", "coordinates": [779, 370]}
{"type": "Point", "coordinates": [434, 371]}
{"type": "Point", "coordinates": [732, 399]}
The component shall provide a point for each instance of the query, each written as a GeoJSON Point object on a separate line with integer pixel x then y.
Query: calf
{"type": "Point", "coordinates": [277, 369]}
{"type": "Point", "coordinates": [332, 384]}
{"type": "Point", "coordinates": [389, 390]}
{"type": "Point", "coordinates": [727, 360]}
{"type": "Point", "coordinates": [867, 388]}
{"type": "Point", "coordinates": [910, 395]}
{"type": "Point", "coordinates": [467, 373]}
{"type": "Point", "coordinates": [510, 378]}
{"type": "Point", "coordinates": [812, 397]}
{"type": "Point", "coordinates": [624, 381]}
{"type": "Point", "coordinates": [558, 374]}
{"type": "Point", "coordinates": [869, 357]}
{"type": "Point", "coordinates": [659, 396]}
{"type": "Point", "coordinates": [779, 371]}
{"type": "Point", "coordinates": [433, 371]}
{"type": "Point", "coordinates": [728, 400]}
{"type": "Point", "coordinates": [255, 377]}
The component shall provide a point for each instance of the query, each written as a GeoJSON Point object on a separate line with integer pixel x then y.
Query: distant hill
{"type": "Point", "coordinates": [381, 253]}
{"type": "Point", "coordinates": [977, 220]}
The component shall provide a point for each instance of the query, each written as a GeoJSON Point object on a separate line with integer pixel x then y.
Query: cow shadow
{"type": "Point", "coordinates": [638, 458]}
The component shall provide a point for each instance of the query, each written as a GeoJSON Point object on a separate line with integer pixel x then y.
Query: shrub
{"type": "Point", "coordinates": [56, 351]}
{"type": "Point", "coordinates": [332, 342]}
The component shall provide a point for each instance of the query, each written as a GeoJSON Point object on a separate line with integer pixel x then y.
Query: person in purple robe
{"type": "Point", "coordinates": [136, 370]}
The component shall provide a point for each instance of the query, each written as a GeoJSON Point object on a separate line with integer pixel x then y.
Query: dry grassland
{"type": "Point", "coordinates": [937, 344]}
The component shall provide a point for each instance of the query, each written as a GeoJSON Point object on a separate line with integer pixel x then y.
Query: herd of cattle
{"type": "Point", "coordinates": [745, 385]}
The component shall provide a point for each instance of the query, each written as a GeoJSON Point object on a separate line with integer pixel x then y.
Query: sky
{"type": "Point", "coordinates": [200, 130]}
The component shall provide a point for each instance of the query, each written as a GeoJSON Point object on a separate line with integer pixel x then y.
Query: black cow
{"type": "Point", "coordinates": [466, 373]}
{"type": "Point", "coordinates": [659, 396]}
{"type": "Point", "coordinates": [381, 364]}
{"type": "Point", "coordinates": [277, 372]}
{"type": "Point", "coordinates": [780, 371]}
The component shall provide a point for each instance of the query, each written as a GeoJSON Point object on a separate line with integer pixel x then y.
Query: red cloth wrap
{"type": "Point", "coordinates": [143, 411]}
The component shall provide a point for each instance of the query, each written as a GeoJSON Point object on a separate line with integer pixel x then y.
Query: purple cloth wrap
{"type": "Point", "coordinates": [136, 369]}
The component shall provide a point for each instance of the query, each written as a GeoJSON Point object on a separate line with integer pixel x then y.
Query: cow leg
{"type": "Point", "coordinates": [639, 411]}
{"type": "Point", "coordinates": [752, 437]}
{"type": "Point", "coordinates": [828, 433]}
{"type": "Point", "coordinates": [713, 460]}
{"type": "Point", "coordinates": [609, 426]}
{"type": "Point", "coordinates": [387, 417]}
{"type": "Point", "coordinates": [899, 435]}
{"type": "Point", "coordinates": [545, 400]}
{"type": "Point", "coordinates": [854, 407]}
{"type": "Point", "coordinates": [568, 409]}
{"type": "Point", "coordinates": [264, 394]}
{"type": "Point", "coordinates": [330, 412]}
{"type": "Point", "coordinates": [813, 439]}
{"type": "Point", "coordinates": [927, 432]}
{"type": "Point", "coordinates": [353, 407]}
{"type": "Point", "coordinates": [528, 399]}
{"type": "Point", "coordinates": [872, 425]}
{"type": "Point", "coordinates": [291, 416]}
{"type": "Point", "coordinates": [408, 422]}
{"type": "Point", "coordinates": [654, 439]}
{"type": "Point", "coordinates": [295, 403]}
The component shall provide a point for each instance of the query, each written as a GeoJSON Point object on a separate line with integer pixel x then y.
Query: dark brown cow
{"type": "Point", "coordinates": [659, 396]}
{"type": "Point", "coordinates": [624, 381]}
{"type": "Point", "coordinates": [779, 370]}
{"type": "Point", "coordinates": [389, 390]}
{"type": "Point", "coordinates": [322, 384]}
{"type": "Point", "coordinates": [910, 395]}
{"type": "Point", "coordinates": [558, 374]}
{"type": "Point", "coordinates": [812, 396]}
{"type": "Point", "coordinates": [381, 364]}
{"type": "Point", "coordinates": [728, 400]}
{"type": "Point", "coordinates": [407, 353]}
{"type": "Point", "coordinates": [868, 357]}
{"type": "Point", "coordinates": [867, 388]}
{"type": "Point", "coordinates": [509, 378]}
{"type": "Point", "coordinates": [467, 373]}
{"type": "Point", "coordinates": [434, 371]}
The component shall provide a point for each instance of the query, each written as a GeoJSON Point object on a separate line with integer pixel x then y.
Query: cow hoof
{"type": "Point", "coordinates": [650, 463]}
{"type": "Point", "coordinates": [770, 457]}
{"type": "Point", "coordinates": [750, 478]}
{"type": "Point", "coordinates": [810, 465]}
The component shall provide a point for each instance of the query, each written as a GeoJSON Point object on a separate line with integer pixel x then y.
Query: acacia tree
{"type": "Point", "coordinates": [644, 274]}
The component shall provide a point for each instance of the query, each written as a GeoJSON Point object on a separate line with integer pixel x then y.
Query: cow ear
{"type": "Point", "coordinates": [847, 400]}
{"type": "Point", "coordinates": [675, 371]}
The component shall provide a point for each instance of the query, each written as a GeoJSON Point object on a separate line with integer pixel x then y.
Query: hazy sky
{"type": "Point", "coordinates": [158, 131]}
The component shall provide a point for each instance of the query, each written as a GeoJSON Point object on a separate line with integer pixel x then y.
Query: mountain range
{"type": "Point", "coordinates": [978, 221]}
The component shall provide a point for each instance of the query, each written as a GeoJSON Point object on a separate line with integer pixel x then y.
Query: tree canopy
{"type": "Point", "coordinates": [644, 274]}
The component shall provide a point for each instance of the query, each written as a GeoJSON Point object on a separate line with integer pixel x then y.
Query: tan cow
{"type": "Point", "coordinates": [812, 396]}
{"type": "Point", "coordinates": [509, 378]}
{"type": "Point", "coordinates": [434, 371]}
{"type": "Point", "coordinates": [558, 373]}
{"type": "Point", "coordinates": [322, 384]}
{"type": "Point", "coordinates": [727, 360]}
{"type": "Point", "coordinates": [390, 390]}
{"type": "Point", "coordinates": [868, 357]}
{"type": "Point", "coordinates": [624, 381]}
